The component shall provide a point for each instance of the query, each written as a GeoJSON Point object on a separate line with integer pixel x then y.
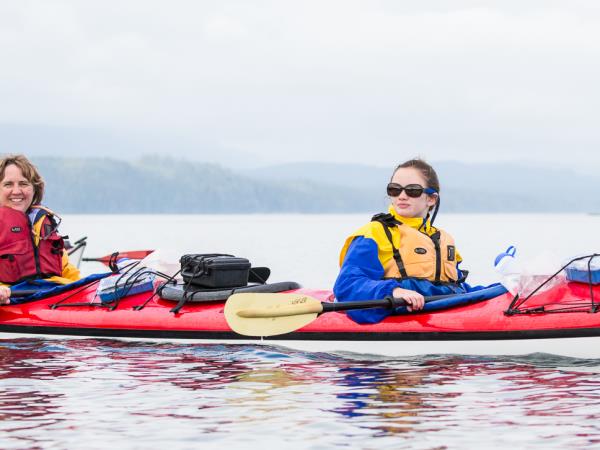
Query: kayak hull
{"type": "Point", "coordinates": [475, 329]}
{"type": "Point", "coordinates": [574, 347]}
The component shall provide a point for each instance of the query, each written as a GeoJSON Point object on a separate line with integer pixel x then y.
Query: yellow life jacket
{"type": "Point", "coordinates": [407, 248]}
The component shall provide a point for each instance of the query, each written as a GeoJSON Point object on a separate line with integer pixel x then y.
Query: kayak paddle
{"type": "Point", "coordinates": [253, 314]}
{"type": "Point", "coordinates": [259, 274]}
{"type": "Point", "coordinates": [131, 254]}
{"type": "Point", "coordinates": [22, 293]}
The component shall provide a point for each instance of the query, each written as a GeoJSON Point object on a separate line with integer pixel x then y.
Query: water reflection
{"type": "Point", "coordinates": [173, 394]}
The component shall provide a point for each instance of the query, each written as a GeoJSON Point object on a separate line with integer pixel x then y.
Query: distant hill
{"type": "Point", "coordinates": [162, 185]}
{"type": "Point", "coordinates": [465, 187]}
{"type": "Point", "coordinates": [165, 185]}
{"type": "Point", "coordinates": [37, 140]}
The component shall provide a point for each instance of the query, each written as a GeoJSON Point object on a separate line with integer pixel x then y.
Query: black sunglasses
{"type": "Point", "coordinates": [412, 190]}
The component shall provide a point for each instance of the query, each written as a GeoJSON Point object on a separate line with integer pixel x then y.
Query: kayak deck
{"type": "Point", "coordinates": [465, 329]}
{"type": "Point", "coordinates": [485, 316]}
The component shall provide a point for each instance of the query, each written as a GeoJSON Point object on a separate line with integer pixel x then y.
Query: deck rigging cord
{"type": "Point", "coordinates": [517, 306]}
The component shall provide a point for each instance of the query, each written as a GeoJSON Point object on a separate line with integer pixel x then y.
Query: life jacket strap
{"type": "Point", "coordinates": [387, 221]}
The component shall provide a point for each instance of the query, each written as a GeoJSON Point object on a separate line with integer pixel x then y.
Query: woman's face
{"type": "Point", "coordinates": [407, 206]}
{"type": "Point", "coordinates": [16, 191]}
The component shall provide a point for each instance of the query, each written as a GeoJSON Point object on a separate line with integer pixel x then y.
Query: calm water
{"type": "Point", "coordinates": [62, 393]}
{"type": "Point", "coordinates": [104, 393]}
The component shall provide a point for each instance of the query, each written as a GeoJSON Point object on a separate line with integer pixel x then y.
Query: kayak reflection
{"type": "Point", "coordinates": [149, 390]}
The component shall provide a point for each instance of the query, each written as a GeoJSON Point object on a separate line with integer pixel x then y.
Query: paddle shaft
{"type": "Point", "coordinates": [302, 306]}
{"type": "Point", "coordinates": [23, 293]}
{"type": "Point", "coordinates": [388, 302]}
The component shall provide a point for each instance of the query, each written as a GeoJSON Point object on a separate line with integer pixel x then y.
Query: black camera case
{"type": "Point", "coordinates": [215, 270]}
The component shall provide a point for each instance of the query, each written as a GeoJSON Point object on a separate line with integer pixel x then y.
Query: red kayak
{"type": "Point", "coordinates": [562, 320]}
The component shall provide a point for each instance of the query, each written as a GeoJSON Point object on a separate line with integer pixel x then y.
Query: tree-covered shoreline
{"type": "Point", "coordinates": [156, 185]}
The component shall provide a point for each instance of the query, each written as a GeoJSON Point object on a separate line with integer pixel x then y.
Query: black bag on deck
{"type": "Point", "coordinates": [215, 270]}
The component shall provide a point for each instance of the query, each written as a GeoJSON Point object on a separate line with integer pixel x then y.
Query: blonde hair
{"type": "Point", "coordinates": [29, 171]}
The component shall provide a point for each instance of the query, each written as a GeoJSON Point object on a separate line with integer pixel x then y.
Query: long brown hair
{"type": "Point", "coordinates": [29, 171]}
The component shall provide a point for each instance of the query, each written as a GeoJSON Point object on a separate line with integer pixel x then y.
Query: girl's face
{"type": "Point", "coordinates": [407, 206]}
{"type": "Point", "coordinates": [16, 191]}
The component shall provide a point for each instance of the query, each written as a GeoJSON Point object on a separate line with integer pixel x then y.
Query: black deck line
{"type": "Point", "coordinates": [309, 336]}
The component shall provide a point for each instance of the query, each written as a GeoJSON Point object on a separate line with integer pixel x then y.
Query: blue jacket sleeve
{"type": "Point", "coordinates": [360, 277]}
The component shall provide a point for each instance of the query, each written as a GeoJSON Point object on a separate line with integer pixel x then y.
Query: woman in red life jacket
{"type": "Point", "coordinates": [401, 253]}
{"type": "Point", "coordinates": [30, 246]}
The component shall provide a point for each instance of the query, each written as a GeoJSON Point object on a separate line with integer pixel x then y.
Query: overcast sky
{"type": "Point", "coordinates": [346, 81]}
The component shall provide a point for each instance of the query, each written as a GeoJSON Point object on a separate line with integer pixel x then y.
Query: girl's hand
{"type": "Point", "coordinates": [4, 295]}
{"type": "Point", "coordinates": [414, 300]}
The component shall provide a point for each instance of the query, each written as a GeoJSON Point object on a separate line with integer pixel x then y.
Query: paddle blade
{"type": "Point", "coordinates": [254, 314]}
{"type": "Point", "coordinates": [259, 274]}
{"type": "Point", "coordinates": [131, 254]}
{"type": "Point", "coordinates": [135, 254]}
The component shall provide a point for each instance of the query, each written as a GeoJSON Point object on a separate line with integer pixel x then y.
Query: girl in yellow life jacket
{"type": "Point", "coordinates": [30, 246]}
{"type": "Point", "coordinates": [400, 253]}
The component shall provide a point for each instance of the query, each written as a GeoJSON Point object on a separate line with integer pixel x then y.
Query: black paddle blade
{"type": "Point", "coordinates": [259, 275]}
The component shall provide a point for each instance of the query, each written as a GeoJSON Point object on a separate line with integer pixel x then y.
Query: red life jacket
{"type": "Point", "coordinates": [20, 258]}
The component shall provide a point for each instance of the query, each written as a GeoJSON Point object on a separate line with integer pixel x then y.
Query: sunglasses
{"type": "Point", "coordinates": [412, 190]}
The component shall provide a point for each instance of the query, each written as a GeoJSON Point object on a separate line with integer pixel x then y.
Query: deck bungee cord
{"type": "Point", "coordinates": [111, 262]}
{"type": "Point", "coordinates": [125, 275]}
{"type": "Point", "coordinates": [130, 277]}
{"type": "Point", "coordinates": [517, 306]}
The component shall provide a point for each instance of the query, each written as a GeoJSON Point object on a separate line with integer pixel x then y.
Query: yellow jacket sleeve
{"type": "Point", "coordinates": [70, 273]}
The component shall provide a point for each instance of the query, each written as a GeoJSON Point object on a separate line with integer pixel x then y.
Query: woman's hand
{"type": "Point", "coordinates": [4, 295]}
{"type": "Point", "coordinates": [414, 300]}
